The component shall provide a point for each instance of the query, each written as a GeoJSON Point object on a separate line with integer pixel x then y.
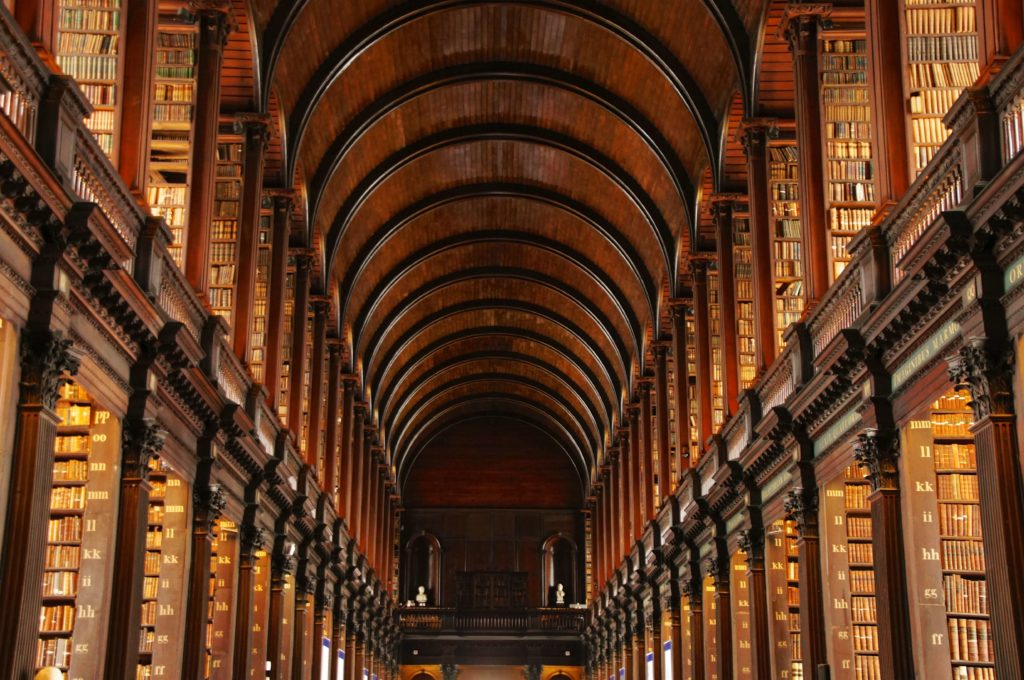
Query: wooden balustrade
{"type": "Point", "coordinates": [23, 77]}
{"type": "Point", "coordinates": [518, 621]}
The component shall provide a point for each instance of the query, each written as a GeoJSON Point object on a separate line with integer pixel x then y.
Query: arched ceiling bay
{"type": "Point", "coordinates": [500, 189]}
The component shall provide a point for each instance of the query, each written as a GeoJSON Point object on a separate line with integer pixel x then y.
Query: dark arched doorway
{"type": "Point", "coordinates": [423, 568]}
{"type": "Point", "coordinates": [559, 561]}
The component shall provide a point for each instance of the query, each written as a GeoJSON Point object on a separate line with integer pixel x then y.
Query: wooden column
{"type": "Point", "coordinates": [281, 566]}
{"type": "Point", "coordinates": [321, 311]}
{"type": "Point", "coordinates": [608, 540]}
{"type": "Point", "coordinates": [693, 588]}
{"type": "Point", "coordinates": [345, 469]}
{"type": "Point", "coordinates": [752, 543]}
{"type": "Point", "coordinates": [321, 613]}
{"type": "Point", "coordinates": [986, 368]}
{"type": "Point", "coordinates": [802, 507]}
{"type": "Point", "coordinates": [337, 638]}
{"type": "Point", "coordinates": [717, 567]}
{"type": "Point", "coordinates": [890, 137]}
{"type": "Point", "coordinates": [654, 643]}
{"type": "Point", "coordinates": [256, 135]}
{"type": "Point", "coordinates": [281, 229]}
{"type": "Point", "coordinates": [136, 93]}
{"type": "Point", "coordinates": [351, 646]}
{"type": "Point", "coordinates": [754, 135]}
{"type": "Point", "coordinates": [208, 501]}
{"type": "Point", "coordinates": [702, 333]}
{"type": "Point", "coordinates": [252, 538]}
{"type": "Point", "coordinates": [214, 25]}
{"type": "Point", "coordinates": [297, 360]}
{"type": "Point", "coordinates": [721, 210]}
{"type": "Point", "coordinates": [636, 469]}
{"type": "Point", "coordinates": [878, 451]}
{"type": "Point", "coordinates": [45, 358]}
{"type": "Point", "coordinates": [615, 498]}
{"type": "Point", "coordinates": [1000, 31]}
{"type": "Point", "coordinates": [141, 441]}
{"type": "Point", "coordinates": [622, 501]}
{"type": "Point", "coordinates": [334, 355]}
{"type": "Point", "coordinates": [682, 383]}
{"type": "Point", "coordinates": [303, 601]}
{"type": "Point", "coordinates": [801, 23]}
{"type": "Point", "coordinates": [626, 456]}
{"type": "Point", "coordinates": [627, 649]}
{"type": "Point", "coordinates": [646, 456]}
{"type": "Point", "coordinates": [358, 472]}
{"type": "Point", "coordinates": [672, 604]}
{"type": "Point", "coordinates": [665, 481]}
{"type": "Point", "coordinates": [597, 539]}
{"type": "Point", "coordinates": [639, 645]}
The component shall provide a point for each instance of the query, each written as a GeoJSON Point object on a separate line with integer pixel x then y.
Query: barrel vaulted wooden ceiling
{"type": "Point", "coordinates": [504, 192]}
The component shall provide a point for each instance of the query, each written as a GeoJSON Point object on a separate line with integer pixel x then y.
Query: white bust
{"type": "Point", "coordinates": [421, 597]}
{"type": "Point", "coordinates": [49, 673]}
{"type": "Point", "coordinates": [559, 594]}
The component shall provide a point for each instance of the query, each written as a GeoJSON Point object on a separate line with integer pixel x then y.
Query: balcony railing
{"type": "Point", "coordinates": [443, 620]}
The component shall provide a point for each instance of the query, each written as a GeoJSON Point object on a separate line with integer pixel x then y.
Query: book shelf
{"type": "Point", "coordinates": [286, 341]}
{"type": "Point", "coordinates": [743, 266]}
{"type": "Point", "coordinates": [787, 266]}
{"type": "Point", "coordinates": [673, 438]}
{"type": "Point", "coordinates": [261, 293]}
{"type": "Point", "coordinates": [691, 389]}
{"type": "Point", "coordinates": [846, 113]}
{"type": "Point", "coordinates": [171, 136]}
{"type": "Point", "coordinates": [784, 599]}
{"type": "Point", "coordinates": [86, 447]}
{"type": "Point", "coordinates": [227, 209]}
{"type": "Point", "coordinates": [715, 331]}
{"type": "Point", "coordinates": [851, 576]}
{"type": "Point", "coordinates": [941, 53]}
{"type": "Point", "coordinates": [710, 627]}
{"type": "Point", "coordinates": [221, 600]}
{"type": "Point", "coordinates": [163, 569]}
{"type": "Point", "coordinates": [946, 539]}
{"type": "Point", "coordinates": [307, 383]}
{"type": "Point", "coordinates": [260, 608]}
{"type": "Point", "coordinates": [87, 48]}
{"type": "Point", "coordinates": [739, 601]}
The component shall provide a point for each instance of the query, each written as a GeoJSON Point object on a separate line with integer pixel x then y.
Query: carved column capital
{"type": "Point", "coordinates": [751, 541]}
{"type": "Point", "coordinates": [46, 360]}
{"type": "Point", "coordinates": [142, 440]}
{"type": "Point", "coordinates": [449, 671]}
{"type": "Point", "coordinates": [216, 21]}
{"type": "Point", "coordinates": [252, 537]}
{"type": "Point", "coordinates": [754, 134]}
{"type": "Point", "coordinates": [255, 126]}
{"type": "Point", "coordinates": [208, 502]}
{"type": "Point", "coordinates": [877, 452]}
{"type": "Point", "coordinates": [986, 371]}
{"type": "Point", "coordinates": [799, 25]}
{"type": "Point", "coordinates": [717, 569]}
{"type": "Point", "coordinates": [801, 506]}
{"type": "Point", "coordinates": [692, 587]}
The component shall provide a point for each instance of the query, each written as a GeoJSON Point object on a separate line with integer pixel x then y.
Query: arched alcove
{"type": "Point", "coordinates": [422, 567]}
{"type": "Point", "coordinates": [559, 560]}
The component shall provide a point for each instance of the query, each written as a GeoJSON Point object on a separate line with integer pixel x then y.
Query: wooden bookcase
{"type": "Point", "coordinates": [83, 500]}
{"type": "Point", "coordinates": [717, 358]}
{"type": "Point", "coordinates": [88, 48]}
{"type": "Point", "coordinates": [164, 568]}
{"type": "Point", "coordinates": [711, 614]}
{"type": "Point", "coordinates": [260, 608]}
{"type": "Point", "coordinates": [227, 210]}
{"type": "Point", "coordinates": [261, 293]}
{"type": "Point", "coordinates": [173, 117]}
{"type": "Point", "coordinates": [220, 609]}
{"type": "Point", "coordinates": [947, 578]}
{"type": "Point", "coordinates": [670, 366]}
{"type": "Point", "coordinates": [787, 263]}
{"type": "Point", "coordinates": [941, 59]}
{"type": "Point", "coordinates": [784, 599]}
{"type": "Point", "coordinates": [691, 372]}
{"type": "Point", "coordinates": [846, 115]}
{"type": "Point", "coordinates": [742, 653]}
{"type": "Point", "coordinates": [286, 342]}
{"type": "Point", "coordinates": [853, 624]}
{"type": "Point", "coordinates": [743, 266]}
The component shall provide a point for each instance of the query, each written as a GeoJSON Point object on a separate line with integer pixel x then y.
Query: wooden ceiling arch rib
{"type": "Point", "coordinates": [436, 81]}
{"type": "Point", "coordinates": [428, 340]}
{"type": "Point", "coordinates": [635, 193]}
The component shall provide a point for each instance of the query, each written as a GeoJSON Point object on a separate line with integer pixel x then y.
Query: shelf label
{"type": "Point", "coordinates": [925, 353]}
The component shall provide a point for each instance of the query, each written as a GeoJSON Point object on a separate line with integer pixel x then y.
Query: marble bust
{"type": "Point", "coordinates": [421, 596]}
{"type": "Point", "coordinates": [559, 594]}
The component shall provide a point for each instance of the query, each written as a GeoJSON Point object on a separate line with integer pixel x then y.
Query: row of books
{"type": "Point", "coordinates": [858, 527]}
{"type": "Point", "coordinates": [224, 230]}
{"type": "Point", "coordinates": [840, 149]}
{"type": "Point", "coordinates": [941, 20]}
{"type": "Point", "coordinates": [154, 539]}
{"type": "Point", "coordinates": [864, 609]}
{"type": "Point", "coordinates": [221, 297]}
{"type": "Point", "coordinates": [63, 557]}
{"type": "Point", "coordinates": [101, 120]}
{"type": "Point", "coordinates": [229, 152]}
{"type": "Point", "coordinates": [951, 425]}
{"type": "Point", "coordinates": [865, 638]}
{"type": "Point", "coordinates": [841, 65]}
{"type": "Point", "coordinates": [174, 92]}
{"type": "Point", "coordinates": [947, 48]}
{"type": "Point", "coordinates": [866, 668]}
{"type": "Point", "coordinates": [87, 43]}
{"type": "Point", "coordinates": [849, 96]}
{"type": "Point", "coordinates": [155, 514]}
{"type": "Point", "coordinates": [929, 131]}
{"type": "Point", "coordinates": [860, 554]}
{"type": "Point", "coordinates": [222, 274]}
{"type": "Point", "coordinates": [54, 652]}
{"type": "Point", "coordinates": [860, 113]}
{"type": "Point", "coordinates": [856, 496]}
{"type": "Point", "coordinates": [74, 415]}
{"type": "Point", "coordinates": [788, 208]}
{"type": "Point", "coordinates": [975, 673]}
{"type": "Point", "coordinates": [849, 219]}
{"type": "Point", "coordinates": [157, 489]}
{"type": "Point", "coordinates": [67, 498]}
{"type": "Point", "coordinates": [224, 190]}
{"type": "Point", "coordinates": [957, 487]}
{"type": "Point", "coordinates": [70, 471]}
{"type": "Point", "coordinates": [88, 67]}
{"type": "Point", "coordinates": [150, 587]}
{"type": "Point", "coordinates": [179, 72]}
{"type": "Point", "coordinates": [970, 639]}
{"type": "Point", "coordinates": [71, 443]}
{"type": "Point", "coordinates": [80, 19]}
{"type": "Point", "coordinates": [151, 564]}
{"type": "Point", "coordinates": [171, 41]}
{"type": "Point", "coordinates": [862, 581]}
{"type": "Point", "coordinates": [962, 520]}
{"type": "Point", "coordinates": [60, 583]}
{"type": "Point", "coordinates": [965, 595]}
{"type": "Point", "coordinates": [954, 456]}
{"type": "Point", "coordinates": [851, 192]}
{"type": "Point", "coordinates": [782, 154]}
{"type": "Point", "coordinates": [149, 610]}
{"type": "Point", "coordinates": [172, 113]}
{"type": "Point", "coordinates": [57, 618]}
{"type": "Point", "coordinates": [64, 530]}
{"type": "Point", "coordinates": [844, 78]}
{"type": "Point", "coordinates": [849, 169]}
{"type": "Point", "coordinates": [963, 555]}
{"type": "Point", "coordinates": [147, 636]}
{"type": "Point", "coordinates": [222, 252]}
{"type": "Point", "coordinates": [945, 74]}
{"type": "Point", "coordinates": [848, 130]}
